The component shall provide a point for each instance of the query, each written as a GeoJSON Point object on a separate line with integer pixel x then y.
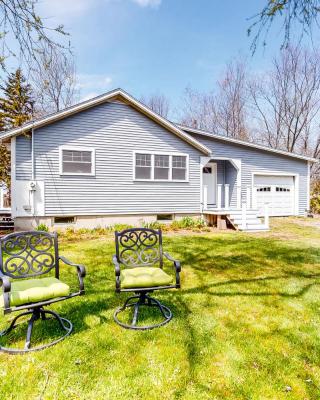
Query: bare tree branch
{"type": "Point", "coordinates": [157, 103]}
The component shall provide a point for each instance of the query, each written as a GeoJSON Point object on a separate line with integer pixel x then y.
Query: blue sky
{"type": "Point", "coordinates": [156, 46]}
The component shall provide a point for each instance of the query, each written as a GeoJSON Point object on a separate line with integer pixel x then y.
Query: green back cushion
{"type": "Point", "coordinates": [35, 290]}
{"type": "Point", "coordinates": [143, 277]}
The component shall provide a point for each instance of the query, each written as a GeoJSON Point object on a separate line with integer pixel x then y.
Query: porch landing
{"type": "Point", "coordinates": [240, 219]}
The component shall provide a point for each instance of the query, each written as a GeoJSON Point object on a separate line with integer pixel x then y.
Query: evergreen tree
{"type": "Point", "coordinates": [16, 108]}
{"type": "Point", "coordinates": [17, 104]}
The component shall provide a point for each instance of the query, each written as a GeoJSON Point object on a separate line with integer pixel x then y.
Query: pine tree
{"type": "Point", "coordinates": [16, 108]}
{"type": "Point", "coordinates": [17, 104]}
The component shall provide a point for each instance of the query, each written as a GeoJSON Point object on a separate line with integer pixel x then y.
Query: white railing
{"type": "Point", "coordinates": [266, 216]}
{"type": "Point", "coordinates": [248, 197]}
{"type": "Point", "coordinates": [226, 196]}
{"type": "Point", "coordinates": [205, 197]}
{"type": "Point", "coordinates": [223, 193]}
{"type": "Point", "coordinates": [238, 191]}
{"type": "Point", "coordinates": [219, 196]}
{"type": "Point", "coordinates": [244, 214]}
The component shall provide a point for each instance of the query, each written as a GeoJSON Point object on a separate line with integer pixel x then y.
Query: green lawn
{"type": "Point", "coordinates": [246, 325]}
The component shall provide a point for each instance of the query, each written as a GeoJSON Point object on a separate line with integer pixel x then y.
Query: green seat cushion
{"type": "Point", "coordinates": [35, 290]}
{"type": "Point", "coordinates": [143, 277]}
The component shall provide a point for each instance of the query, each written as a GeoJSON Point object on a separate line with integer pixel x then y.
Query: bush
{"type": "Point", "coordinates": [315, 198]}
{"type": "Point", "coordinates": [187, 222]}
{"type": "Point", "coordinates": [42, 228]}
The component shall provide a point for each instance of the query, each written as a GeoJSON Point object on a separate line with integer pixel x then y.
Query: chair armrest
{"type": "Point", "coordinates": [177, 266]}
{"type": "Point", "coordinates": [117, 272]}
{"type": "Point", "coordinates": [176, 263]}
{"type": "Point", "coordinates": [80, 270]}
{"type": "Point", "coordinates": [6, 287]}
{"type": "Point", "coordinates": [5, 283]}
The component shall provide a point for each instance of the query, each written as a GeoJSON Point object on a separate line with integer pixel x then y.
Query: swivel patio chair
{"type": "Point", "coordinates": [30, 255]}
{"type": "Point", "coordinates": [139, 252]}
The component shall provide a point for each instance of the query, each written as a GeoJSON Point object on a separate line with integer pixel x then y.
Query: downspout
{"type": "Point", "coordinates": [32, 192]}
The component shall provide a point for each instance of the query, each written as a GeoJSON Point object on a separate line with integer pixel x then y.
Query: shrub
{"type": "Point", "coordinates": [42, 228]}
{"type": "Point", "coordinates": [152, 225]}
{"type": "Point", "coordinates": [187, 222]}
{"type": "Point", "coordinates": [315, 198]}
{"type": "Point", "coordinates": [120, 227]}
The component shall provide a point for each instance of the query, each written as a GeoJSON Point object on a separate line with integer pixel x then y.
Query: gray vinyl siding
{"type": "Point", "coordinates": [231, 179]}
{"type": "Point", "coordinates": [115, 131]}
{"type": "Point", "coordinates": [23, 158]}
{"type": "Point", "coordinates": [255, 160]}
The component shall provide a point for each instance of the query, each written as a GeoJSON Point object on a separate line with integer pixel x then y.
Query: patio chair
{"type": "Point", "coordinates": [24, 257]}
{"type": "Point", "coordinates": [138, 266]}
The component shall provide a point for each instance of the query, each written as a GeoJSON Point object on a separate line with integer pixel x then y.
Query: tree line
{"type": "Point", "coordinates": [279, 107]}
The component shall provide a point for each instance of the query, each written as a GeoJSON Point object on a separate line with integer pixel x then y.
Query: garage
{"type": "Point", "coordinates": [277, 191]}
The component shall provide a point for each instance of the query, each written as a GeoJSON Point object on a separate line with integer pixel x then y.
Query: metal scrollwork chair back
{"type": "Point", "coordinates": [138, 263]}
{"type": "Point", "coordinates": [139, 247]}
{"type": "Point", "coordinates": [26, 257]}
{"type": "Point", "coordinates": [29, 254]}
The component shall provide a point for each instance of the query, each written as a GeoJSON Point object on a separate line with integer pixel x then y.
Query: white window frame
{"type": "Point", "coordinates": [76, 148]}
{"type": "Point", "coordinates": [160, 153]}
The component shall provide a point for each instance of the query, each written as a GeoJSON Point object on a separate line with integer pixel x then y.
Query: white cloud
{"type": "Point", "coordinates": [93, 81]}
{"type": "Point", "coordinates": [64, 8]}
{"type": "Point", "coordinates": [91, 85]}
{"type": "Point", "coordinates": [148, 3]}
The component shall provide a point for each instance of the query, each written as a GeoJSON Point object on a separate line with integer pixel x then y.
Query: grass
{"type": "Point", "coordinates": [246, 325]}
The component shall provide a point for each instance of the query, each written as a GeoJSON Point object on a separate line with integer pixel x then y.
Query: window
{"type": "Point", "coordinates": [161, 167]}
{"type": "Point", "coordinates": [282, 189]}
{"type": "Point", "coordinates": [179, 168]}
{"type": "Point", "coordinates": [64, 220]}
{"type": "Point", "coordinates": [264, 189]}
{"type": "Point", "coordinates": [207, 170]}
{"type": "Point", "coordinates": [76, 161]}
{"type": "Point", "coordinates": [164, 217]}
{"type": "Point", "coordinates": [143, 166]}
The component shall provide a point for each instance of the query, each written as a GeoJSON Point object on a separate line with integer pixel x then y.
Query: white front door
{"type": "Point", "coordinates": [209, 179]}
{"type": "Point", "coordinates": [277, 191]}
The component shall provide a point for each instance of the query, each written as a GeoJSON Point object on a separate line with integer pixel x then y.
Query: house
{"type": "Point", "coordinates": [113, 160]}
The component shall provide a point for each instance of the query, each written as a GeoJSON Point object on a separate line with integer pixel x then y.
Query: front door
{"type": "Point", "coordinates": [209, 179]}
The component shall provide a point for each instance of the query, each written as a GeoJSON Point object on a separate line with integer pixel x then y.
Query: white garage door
{"type": "Point", "coordinates": [277, 191]}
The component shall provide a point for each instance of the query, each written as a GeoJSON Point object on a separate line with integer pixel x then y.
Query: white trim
{"type": "Point", "coordinates": [13, 176]}
{"type": "Point", "coordinates": [77, 148]}
{"type": "Point", "coordinates": [308, 189]}
{"type": "Point", "coordinates": [100, 100]}
{"type": "Point", "coordinates": [296, 185]}
{"type": "Point", "coordinates": [203, 162]}
{"type": "Point", "coordinates": [244, 143]}
{"type": "Point", "coordinates": [160, 153]}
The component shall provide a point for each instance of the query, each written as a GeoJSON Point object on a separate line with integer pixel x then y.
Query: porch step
{"type": "Point", "coordinates": [253, 223]}
{"type": "Point", "coordinates": [6, 224]}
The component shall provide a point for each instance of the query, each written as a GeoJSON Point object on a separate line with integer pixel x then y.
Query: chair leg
{"type": "Point", "coordinates": [143, 299]}
{"type": "Point", "coordinates": [31, 321]}
{"type": "Point", "coordinates": [13, 323]}
{"type": "Point", "coordinates": [36, 314]}
{"type": "Point", "coordinates": [135, 314]}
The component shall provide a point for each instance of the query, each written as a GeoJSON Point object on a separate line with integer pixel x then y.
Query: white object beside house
{"type": "Point", "coordinates": [111, 159]}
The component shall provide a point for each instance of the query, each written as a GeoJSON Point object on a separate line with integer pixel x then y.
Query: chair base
{"type": "Point", "coordinates": [36, 313]}
{"type": "Point", "coordinates": [143, 300]}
